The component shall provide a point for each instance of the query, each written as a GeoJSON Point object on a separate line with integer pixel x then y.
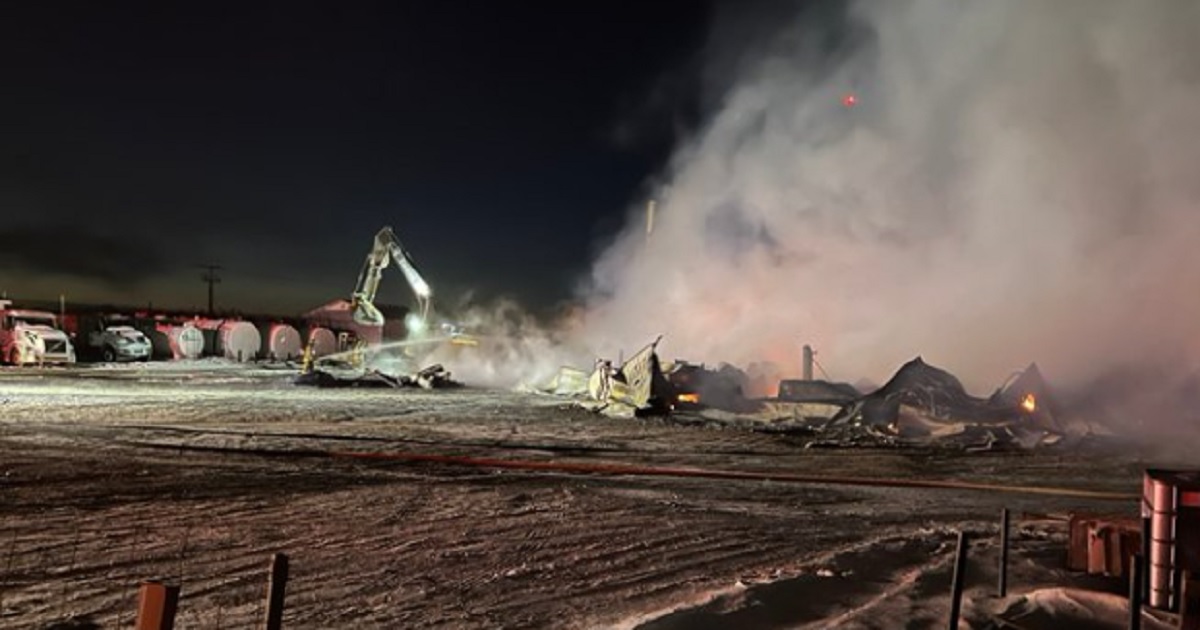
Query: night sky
{"type": "Point", "coordinates": [505, 142]}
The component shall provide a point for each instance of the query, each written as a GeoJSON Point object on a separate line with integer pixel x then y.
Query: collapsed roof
{"type": "Point", "coordinates": [936, 392]}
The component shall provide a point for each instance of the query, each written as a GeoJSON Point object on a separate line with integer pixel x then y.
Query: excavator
{"type": "Point", "coordinates": [385, 251]}
{"type": "Point", "coordinates": [388, 248]}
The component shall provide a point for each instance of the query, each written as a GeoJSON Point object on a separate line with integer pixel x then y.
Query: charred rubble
{"type": "Point", "coordinates": [920, 405]}
{"type": "Point", "coordinates": [432, 377]}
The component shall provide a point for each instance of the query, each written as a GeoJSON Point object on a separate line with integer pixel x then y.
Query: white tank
{"type": "Point", "coordinates": [183, 341]}
{"type": "Point", "coordinates": [239, 341]}
{"type": "Point", "coordinates": [283, 342]}
{"type": "Point", "coordinates": [323, 341]}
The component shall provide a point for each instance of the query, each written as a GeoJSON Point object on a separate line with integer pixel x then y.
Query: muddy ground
{"type": "Point", "coordinates": [113, 476]}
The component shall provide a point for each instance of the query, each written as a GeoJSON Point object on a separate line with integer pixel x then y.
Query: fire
{"type": "Point", "coordinates": [689, 398]}
{"type": "Point", "coordinates": [1029, 403]}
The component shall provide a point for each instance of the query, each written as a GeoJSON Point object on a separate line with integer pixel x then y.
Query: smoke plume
{"type": "Point", "coordinates": [1017, 181]}
{"type": "Point", "coordinates": [513, 346]}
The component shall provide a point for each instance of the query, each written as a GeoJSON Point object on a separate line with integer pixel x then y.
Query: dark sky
{"type": "Point", "coordinates": [504, 141]}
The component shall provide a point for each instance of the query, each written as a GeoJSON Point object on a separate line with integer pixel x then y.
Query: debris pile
{"type": "Point", "coordinates": [696, 387]}
{"type": "Point", "coordinates": [432, 377]}
{"type": "Point", "coordinates": [920, 390]}
{"type": "Point", "coordinates": [923, 404]}
{"type": "Point", "coordinates": [638, 387]}
{"type": "Point", "coordinates": [920, 405]}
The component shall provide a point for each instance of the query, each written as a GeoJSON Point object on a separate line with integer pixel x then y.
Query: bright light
{"type": "Point", "coordinates": [414, 323]}
{"type": "Point", "coordinates": [849, 100]}
{"type": "Point", "coordinates": [1029, 403]}
{"type": "Point", "coordinates": [689, 398]}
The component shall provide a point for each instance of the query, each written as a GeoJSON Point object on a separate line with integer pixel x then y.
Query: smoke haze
{"type": "Point", "coordinates": [1018, 181]}
{"type": "Point", "coordinates": [513, 346]}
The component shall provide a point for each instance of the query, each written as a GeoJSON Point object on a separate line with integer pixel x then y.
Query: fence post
{"type": "Point", "coordinates": [1146, 564]}
{"type": "Point", "coordinates": [956, 587]}
{"type": "Point", "coordinates": [1003, 586]}
{"type": "Point", "coordinates": [157, 604]}
{"type": "Point", "coordinates": [275, 591]}
{"type": "Point", "coordinates": [1136, 584]}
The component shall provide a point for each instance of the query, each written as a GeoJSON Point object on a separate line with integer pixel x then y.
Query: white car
{"type": "Point", "coordinates": [33, 337]}
{"type": "Point", "coordinates": [121, 343]}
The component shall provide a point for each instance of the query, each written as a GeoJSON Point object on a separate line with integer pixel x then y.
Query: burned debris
{"type": "Point", "coordinates": [924, 403]}
{"type": "Point", "coordinates": [920, 405]}
{"type": "Point", "coordinates": [920, 390]}
{"type": "Point", "coordinates": [637, 387]}
{"type": "Point", "coordinates": [432, 377]}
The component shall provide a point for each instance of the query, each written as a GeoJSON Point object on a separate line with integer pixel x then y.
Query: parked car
{"type": "Point", "coordinates": [120, 343]}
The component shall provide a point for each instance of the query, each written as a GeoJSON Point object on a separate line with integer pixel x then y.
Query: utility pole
{"type": "Point", "coordinates": [210, 276]}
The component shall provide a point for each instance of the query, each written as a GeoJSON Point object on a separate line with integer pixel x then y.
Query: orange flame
{"type": "Point", "coordinates": [1029, 403]}
{"type": "Point", "coordinates": [689, 398]}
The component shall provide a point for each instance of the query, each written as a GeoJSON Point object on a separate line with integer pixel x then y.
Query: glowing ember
{"type": "Point", "coordinates": [1029, 403]}
{"type": "Point", "coordinates": [689, 398]}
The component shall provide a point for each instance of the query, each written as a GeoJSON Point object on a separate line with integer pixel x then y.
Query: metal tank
{"type": "Point", "coordinates": [238, 340]}
{"type": "Point", "coordinates": [282, 342]}
{"type": "Point", "coordinates": [322, 341]}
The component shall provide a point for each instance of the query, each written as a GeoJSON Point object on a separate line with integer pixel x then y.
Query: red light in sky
{"type": "Point", "coordinates": [849, 100]}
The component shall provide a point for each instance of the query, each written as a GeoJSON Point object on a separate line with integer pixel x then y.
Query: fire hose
{"type": "Point", "coordinates": [637, 470]}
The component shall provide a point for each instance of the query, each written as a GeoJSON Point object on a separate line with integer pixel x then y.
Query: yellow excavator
{"type": "Point", "coordinates": [388, 249]}
{"type": "Point", "coordinates": [420, 323]}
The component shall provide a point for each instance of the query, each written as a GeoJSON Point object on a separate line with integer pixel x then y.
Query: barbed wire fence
{"type": "Point", "coordinates": [90, 577]}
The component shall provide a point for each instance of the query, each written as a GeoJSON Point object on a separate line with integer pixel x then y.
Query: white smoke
{"type": "Point", "coordinates": [1019, 181]}
{"type": "Point", "coordinates": [512, 347]}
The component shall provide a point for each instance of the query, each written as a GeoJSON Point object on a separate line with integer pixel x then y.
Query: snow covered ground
{"type": "Point", "coordinates": [197, 473]}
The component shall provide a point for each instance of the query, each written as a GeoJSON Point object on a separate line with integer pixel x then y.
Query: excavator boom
{"type": "Point", "coordinates": [388, 249]}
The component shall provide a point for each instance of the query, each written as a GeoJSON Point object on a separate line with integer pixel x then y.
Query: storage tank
{"type": "Point", "coordinates": [239, 341]}
{"type": "Point", "coordinates": [183, 341]}
{"type": "Point", "coordinates": [323, 342]}
{"type": "Point", "coordinates": [282, 343]}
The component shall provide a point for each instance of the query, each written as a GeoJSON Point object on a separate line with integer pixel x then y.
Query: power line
{"type": "Point", "coordinates": [210, 276]}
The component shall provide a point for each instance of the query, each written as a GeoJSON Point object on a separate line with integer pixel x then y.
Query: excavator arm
{"type": "Point", "coordinates": [388, 249]}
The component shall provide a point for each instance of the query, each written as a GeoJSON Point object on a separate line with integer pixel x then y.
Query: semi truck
{"type": "Point", "coordinates": [32, 337]}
